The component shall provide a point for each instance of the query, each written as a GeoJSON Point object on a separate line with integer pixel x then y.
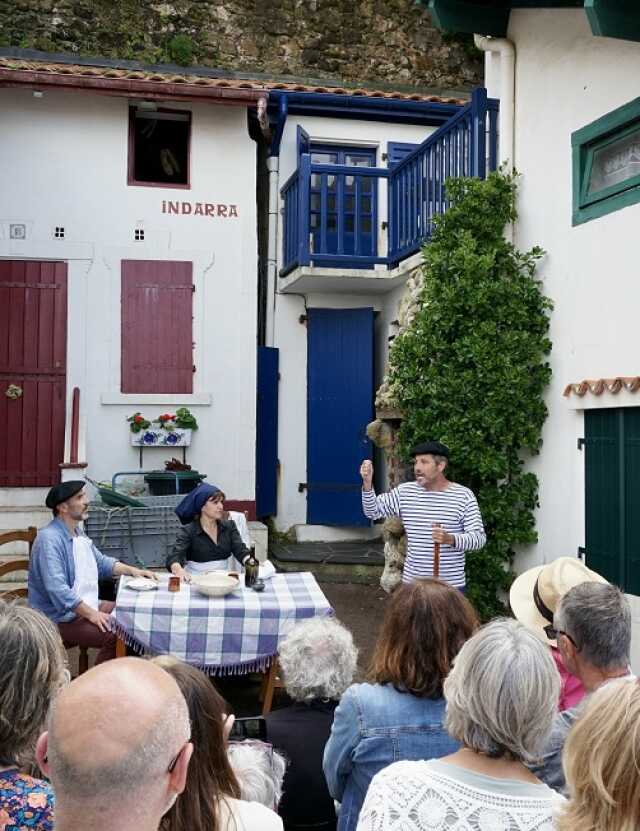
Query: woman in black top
{"type": "Point", "coordinates": [207, 542]}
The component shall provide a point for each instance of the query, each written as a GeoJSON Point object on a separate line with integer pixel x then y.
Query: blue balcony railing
{"type": "Point", "coordinates": [331, 211]}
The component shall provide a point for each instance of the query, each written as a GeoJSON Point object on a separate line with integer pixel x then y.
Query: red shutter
{"type": "Point", "coordinates": [33, 356]}
{"type": "Point", "coordinates": [157, 327]}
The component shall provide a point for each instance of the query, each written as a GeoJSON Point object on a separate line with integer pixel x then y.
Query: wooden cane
{"type": "Point", "coordinates": [436, 554]}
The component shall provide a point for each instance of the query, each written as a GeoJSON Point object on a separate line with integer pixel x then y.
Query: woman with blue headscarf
{"type": "Point", "coordinates": [206, 542]}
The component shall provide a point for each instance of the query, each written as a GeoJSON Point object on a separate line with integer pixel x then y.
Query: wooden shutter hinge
{"type": "Point", "coordinates": [581, 552]}
{"type": "Point", "coordinates": [581, 443]}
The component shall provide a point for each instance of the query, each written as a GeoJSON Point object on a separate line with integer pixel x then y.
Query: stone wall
{"type": "Point", "coordinates": [390, 42]}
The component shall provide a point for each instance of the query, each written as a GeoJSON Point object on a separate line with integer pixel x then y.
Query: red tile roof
{"type": "Point", "coordinates": [154, 83]}
{"type": "Point", "coordinates": [597, 386]}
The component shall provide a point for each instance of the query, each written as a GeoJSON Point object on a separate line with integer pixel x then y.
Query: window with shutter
{"type": "Point", "coordinates": [612, 494]}
{"type": "Point", "coordinates": [157, 327]}
{"type": "Point", "coordinates": [398, 150]}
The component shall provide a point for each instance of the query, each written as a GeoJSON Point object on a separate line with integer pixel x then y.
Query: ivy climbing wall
{"type": "Point", "coordinates": [352, 41]}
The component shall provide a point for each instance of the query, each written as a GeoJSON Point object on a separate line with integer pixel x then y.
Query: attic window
{"type": "Point", "coordinates": [58, 232]}
{"type": "Point", "coordinates": [159, 142]}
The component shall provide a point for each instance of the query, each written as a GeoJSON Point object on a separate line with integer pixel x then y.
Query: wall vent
{"type": "Point", "coordinates": [58, 232]}
{"type": "Point", "coordinates": [138, 235]}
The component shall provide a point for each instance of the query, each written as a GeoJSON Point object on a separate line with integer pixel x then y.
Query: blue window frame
{"type": "Point", "coordinates": [343, 208]}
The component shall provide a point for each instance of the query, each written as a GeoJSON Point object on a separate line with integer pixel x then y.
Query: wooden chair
{"type": "Point", "coordinates": [16, 565]}
{"type": "Point", "coordinates": [8, 568]}
{"type": "Point", "coordinates": [29, 536]}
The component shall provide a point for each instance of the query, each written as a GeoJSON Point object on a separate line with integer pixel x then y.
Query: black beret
{"type": "Point", "coordinates": [62, 492]}
{"type": "Point", "coordinates": [434, 448]}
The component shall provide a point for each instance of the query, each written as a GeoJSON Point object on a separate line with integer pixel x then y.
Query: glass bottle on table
{"type": "Point", "coordinates": [251, 567]}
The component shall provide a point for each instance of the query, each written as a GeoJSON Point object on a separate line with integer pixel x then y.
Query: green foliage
{"type": "Point", "coordinates": [182, 50]}
{"type": "Point", "coordinates": [471, 370]}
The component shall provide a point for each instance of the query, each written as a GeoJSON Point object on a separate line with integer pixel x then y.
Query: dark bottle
{"type": "Point", "coordinates": [251, 568]}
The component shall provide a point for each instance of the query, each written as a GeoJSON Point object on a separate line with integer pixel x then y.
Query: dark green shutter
{"type": "Point", "coordinates": [612, 495]}
{"type": "Point", "coordinates": [632, 499]}
{"type": "Point", "coordinates": [603, 541]}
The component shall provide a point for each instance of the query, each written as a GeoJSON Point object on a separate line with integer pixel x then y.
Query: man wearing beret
{"type": "Point", "coordinates": [64, 570]}
{"type": "Point", "coordinates": [432, 509]}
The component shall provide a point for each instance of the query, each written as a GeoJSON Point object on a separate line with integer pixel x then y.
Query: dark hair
{"type": "Point", "coordinates": [425, 624]}
{"type": "Point", "coordinates": [210, 777]}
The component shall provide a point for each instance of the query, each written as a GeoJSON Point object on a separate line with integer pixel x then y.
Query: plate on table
{"type": "Point", "coordinates": [142, 584]}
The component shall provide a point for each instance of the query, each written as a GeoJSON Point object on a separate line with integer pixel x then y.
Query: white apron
{"type": "Point", "coordinates": [86, 582]}
{"type": "Point", "coordinates": [230, 564]}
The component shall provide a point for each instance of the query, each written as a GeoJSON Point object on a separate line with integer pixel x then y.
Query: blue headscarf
{"type": "Point", "coordinates": [192, 504]}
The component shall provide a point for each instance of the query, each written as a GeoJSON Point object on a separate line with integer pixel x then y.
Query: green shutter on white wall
{"type": "Point", "coordinates": [612, 495]}
{"type": "Point", "coordinates": [603, 537]}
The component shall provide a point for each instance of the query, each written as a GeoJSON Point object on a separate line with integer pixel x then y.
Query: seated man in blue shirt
{"type": "Point", "coordinates": [64, 570]}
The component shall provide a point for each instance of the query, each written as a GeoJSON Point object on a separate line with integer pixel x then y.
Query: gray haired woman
{"type": "Point", "coordinates": [318, 660]}
{"type": "Point", "coordinates": [32, 670]}
{"type": "Point", "coordinates": [501, 696]}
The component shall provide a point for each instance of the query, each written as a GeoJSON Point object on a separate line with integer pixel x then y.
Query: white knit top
{"type": "Point", "coordinates": [438, 796]}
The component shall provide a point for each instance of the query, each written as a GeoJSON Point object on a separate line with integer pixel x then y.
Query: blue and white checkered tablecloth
{"type": "Point", "coordinates": [237, 633]}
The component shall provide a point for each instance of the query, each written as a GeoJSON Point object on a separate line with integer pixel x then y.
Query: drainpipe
{"type": "Point", "coordinates": [506, 50]}
{"type": "Point", "coordinates": [273, 166]}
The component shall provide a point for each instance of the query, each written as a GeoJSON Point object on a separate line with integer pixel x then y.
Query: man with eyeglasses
{"type": "Point", "coordinates": [118, 747]}
{"type": "Point", "coordinates": [592, 626]}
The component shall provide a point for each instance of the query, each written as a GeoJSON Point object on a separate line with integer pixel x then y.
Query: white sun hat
{"type": "Point", "coordinates": [535, 594]}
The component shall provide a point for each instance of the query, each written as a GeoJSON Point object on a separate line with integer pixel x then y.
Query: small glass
{"type": "Point", "coordinates": [174, 583]}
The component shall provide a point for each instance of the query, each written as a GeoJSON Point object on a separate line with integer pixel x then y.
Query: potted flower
{"type": "Point", "coordinates": [141, 434]}
{"type": "Point", "coordinates": [176, 428]}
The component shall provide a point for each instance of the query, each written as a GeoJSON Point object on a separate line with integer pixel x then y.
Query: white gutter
{"type": "Point", "coordinates": [273, 165]}
{"type": "Point", "coordinates": [506, 50]}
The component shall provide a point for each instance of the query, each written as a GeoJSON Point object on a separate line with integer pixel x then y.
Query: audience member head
{"type": "Point", "coordinates": [502, 692]}
{"type": "Point", "coordinates": [32, 671]}
{"type": "Point", "coordinates": [210, 774]}
{"type": "Point", "coordinates": [602, 762]}
{"type": "Point", "coordinates": [259, 770]}
{"type": "Point", "coordinates": [118, 746]}
{"type": "Point", "coordinates": [425, 624]}
{"type": "Point", "coordinates": [536, 593]}
{"type": "Point", "coordinates": [593, 629]}
{"type": "Point", "coordinates": [318, 659]}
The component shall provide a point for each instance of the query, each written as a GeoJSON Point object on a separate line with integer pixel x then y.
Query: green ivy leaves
{"type": "Point", "coordinates": [471, 369]}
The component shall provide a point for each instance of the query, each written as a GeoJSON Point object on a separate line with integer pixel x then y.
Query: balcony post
{"type": "Point", "coordinates": [478, 166]}
{"type": "Point", "coordinates": [304, 207]}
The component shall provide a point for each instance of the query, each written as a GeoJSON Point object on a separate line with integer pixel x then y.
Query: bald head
{"type": "Point", "coordinates": [115, 730]}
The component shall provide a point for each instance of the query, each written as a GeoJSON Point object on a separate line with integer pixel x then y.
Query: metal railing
{"type": "Point", "coordinates": [329, 230]}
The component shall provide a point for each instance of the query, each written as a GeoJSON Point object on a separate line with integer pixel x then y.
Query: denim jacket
{"type": "Point", "coordinates": [375, 725]}
{"type": "Point", "coordinates": [52, 572]}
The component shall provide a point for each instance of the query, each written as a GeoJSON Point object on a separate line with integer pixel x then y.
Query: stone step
{"type": "Point", "coordinates": [334, 562]}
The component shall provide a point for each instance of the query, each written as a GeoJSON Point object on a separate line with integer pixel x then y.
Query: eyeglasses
{"type": "Point", "coordinates": [553, 633]}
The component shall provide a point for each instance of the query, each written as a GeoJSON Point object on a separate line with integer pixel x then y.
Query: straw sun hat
{"type": "Point", "coordinates": [534, 595]}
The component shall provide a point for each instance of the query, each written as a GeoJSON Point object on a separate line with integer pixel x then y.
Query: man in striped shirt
{"type": "Point", "coordinates": [422, 505]}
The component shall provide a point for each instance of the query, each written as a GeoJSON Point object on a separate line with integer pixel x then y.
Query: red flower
{"type": "Point", "coordinates": [138, 419]}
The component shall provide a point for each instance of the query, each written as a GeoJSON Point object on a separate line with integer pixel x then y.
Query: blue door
{"type": "Point", "coordinates": [339, 407]}
{"type": "Point", "coordinates": [267, 432]}
{"type": "Point", "coordinates": [343, 208]}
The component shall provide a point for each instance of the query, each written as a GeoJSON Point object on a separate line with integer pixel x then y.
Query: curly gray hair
{"type": "Point", "coordinates": [502, 692]}
{"type": "Point", "coordinates": [318, 659]}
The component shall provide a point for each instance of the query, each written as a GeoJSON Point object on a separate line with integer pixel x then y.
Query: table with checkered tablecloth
{"type": "Point", "coordinates": [235, 634]}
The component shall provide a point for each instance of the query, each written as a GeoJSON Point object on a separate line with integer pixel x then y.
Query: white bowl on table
{"type": "Point", "coordinates": [215, 583]}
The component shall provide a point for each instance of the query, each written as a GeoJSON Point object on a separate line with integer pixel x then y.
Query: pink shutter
{"type": "Point", "coordinates": [157, 326]}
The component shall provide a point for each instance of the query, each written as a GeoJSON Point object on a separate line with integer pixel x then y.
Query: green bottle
{"type": "Point", "coordinates": [251, 568]}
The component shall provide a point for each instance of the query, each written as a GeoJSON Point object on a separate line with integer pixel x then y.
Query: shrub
{"type": "Point", "coordinates": [471, 370]}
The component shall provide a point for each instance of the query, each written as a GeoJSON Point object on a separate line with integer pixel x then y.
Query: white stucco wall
{"type": "Point", "coordinates": [566, 78]}
{"type": "Point", "coordinates": [291, 337]}
{"type": "Point", "coordinates": [65, 163]}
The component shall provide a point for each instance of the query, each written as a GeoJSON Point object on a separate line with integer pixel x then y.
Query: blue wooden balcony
{"type": "Point", "coordinates": [331, 211]}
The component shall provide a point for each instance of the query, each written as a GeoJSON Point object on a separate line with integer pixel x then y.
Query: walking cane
{"type": "Point", "coordinates": [436, 554]}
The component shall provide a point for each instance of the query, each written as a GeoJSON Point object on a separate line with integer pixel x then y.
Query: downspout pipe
{"type": "Point", "coordinates": [273, 165]}
{"type": "Point", "coordinates": [506, 50]}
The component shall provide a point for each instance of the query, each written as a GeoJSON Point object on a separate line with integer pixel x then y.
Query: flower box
{"type": "Point", "coordinates": [178, 437]}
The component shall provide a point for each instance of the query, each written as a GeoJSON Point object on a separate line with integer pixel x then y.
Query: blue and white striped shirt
{"type": "Point", "coordinates": [455, 508]}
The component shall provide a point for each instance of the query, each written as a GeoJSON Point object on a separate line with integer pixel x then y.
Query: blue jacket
{"type": "Point", "coordinates": [52, 572]}
{"type": "Point", "coordinates": [375, 725]}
